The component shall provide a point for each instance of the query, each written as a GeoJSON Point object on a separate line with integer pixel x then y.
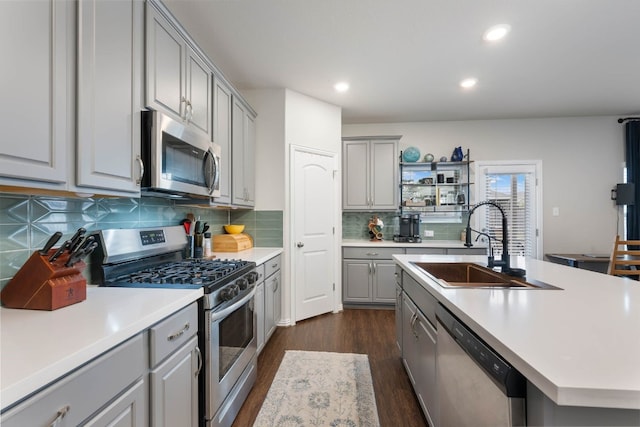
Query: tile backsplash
{"type": "Point", "coordinates": [355, 226]}
{"type": "Point", "coordinates": [26, 222]}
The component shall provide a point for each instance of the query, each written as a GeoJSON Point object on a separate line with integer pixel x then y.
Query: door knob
{"type": "Point", "coordinates": [300, 244]}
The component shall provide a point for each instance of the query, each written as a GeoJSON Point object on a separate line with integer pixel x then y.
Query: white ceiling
{"type": "Point", "coordinates": [405, 58]}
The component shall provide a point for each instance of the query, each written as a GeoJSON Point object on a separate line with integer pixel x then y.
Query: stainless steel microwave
{"type": "Point", "coordinates": [178, 160]}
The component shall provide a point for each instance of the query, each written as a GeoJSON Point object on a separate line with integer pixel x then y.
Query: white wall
{"type": "Point", "coordinates": [313, 123]}
{"type": "Point", "coordinates": [582, 160]}
{"type": "Point", "coordinates": [270, 147]}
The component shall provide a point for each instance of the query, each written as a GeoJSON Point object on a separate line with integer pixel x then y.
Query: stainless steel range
{"type": "Point", "coordinates": [153, 258]}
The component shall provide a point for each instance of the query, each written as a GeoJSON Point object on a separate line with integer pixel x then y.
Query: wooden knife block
{"type": "Point", "coordinates": [42, 285]}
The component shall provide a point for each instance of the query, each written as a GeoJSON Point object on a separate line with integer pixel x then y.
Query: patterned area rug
{"type": "Point", "coordinates": [314, 388]}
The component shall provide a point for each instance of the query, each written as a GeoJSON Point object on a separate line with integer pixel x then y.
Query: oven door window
{"type": "Point", "coordinates": [182, 162]}
{"type": "Point", "coordinates": [236, 332]}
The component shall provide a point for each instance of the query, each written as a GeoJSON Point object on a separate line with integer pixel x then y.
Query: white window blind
{"type": "Point", "coordinates": [514, 192]}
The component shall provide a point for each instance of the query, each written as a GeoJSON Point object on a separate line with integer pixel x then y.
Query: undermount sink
{"type": "Point", "coordinates": [470, 275]}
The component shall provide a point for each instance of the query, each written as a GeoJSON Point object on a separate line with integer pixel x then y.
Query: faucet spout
{"type": "Point", "coordinates": [505, 260]}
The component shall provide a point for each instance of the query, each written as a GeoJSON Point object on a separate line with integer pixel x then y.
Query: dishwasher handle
{"type": "Point", "coordinates": [512, 382]}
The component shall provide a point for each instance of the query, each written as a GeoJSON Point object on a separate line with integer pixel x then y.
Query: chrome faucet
{"type": "Point", "coordinates": [504, 263]}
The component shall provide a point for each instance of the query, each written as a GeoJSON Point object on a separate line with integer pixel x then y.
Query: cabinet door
{"type": "Point", "coordinates": [425, 362]}
{"type": "Point", "coordinates": [269, 306]}
{"type": "Point", "coordinates": [384, 175]}
{"type": "Point", "coordinates": [128, 410]}
{"type": "Point", "coordinates": [243, 147]}
{"type": "Point", "coordinates": [222, 136]}
{"type": "Point", "coordinates": [355, 172]}
{"type": "Point", "coordinates": [174, 388]}
{"type": "Point", "coordinates": [110, 43]}
{"type": "Point", "coordinates": [409, 338]}
{"type": "Point", "coordinates": [37, 48]}
{"type": "Point", "coordinates": [399, 326]}
{"type": "Point", "coordinates": [384, 281]}
{"type": "Point", "coordinates": [165, 63]}
{"type": "Point", "coordinates": [356, 280]}
{"type": "Point", "coordinates": [259, 308]}
{"type": "Point", "coordinates": [198, 93]}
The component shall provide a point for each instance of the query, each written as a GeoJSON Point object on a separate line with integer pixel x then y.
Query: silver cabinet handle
{"type": "Point", "coordinates": [300, 244]}
{"type": "Point", "coordinates": [373, 264]}
{"type": "Point", "coordinates": [183, 115]}
{"type": "Point", "coordinates": [61, 413]}
{"type": "Point", "coordinates": [141, 164]}
{"type": "Point", "coordinates": [178, 334]}
{"type": "Point", "coordinates": [199, 353]}
{"type": "Point", "coordinates": [189, 112]}
{"type": "Point", "coordinates": [372, 253]}
{"type": "Point", "coordinates": [274, 265]}
{"type": "Point", "coordinates": [277, 285]}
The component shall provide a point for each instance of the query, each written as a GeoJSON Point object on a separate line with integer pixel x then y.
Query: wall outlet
{"type": "Point", "coordinates": [428, 233]}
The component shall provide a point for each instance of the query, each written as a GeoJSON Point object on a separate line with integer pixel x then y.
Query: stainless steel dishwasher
{"type": "Point", "coordinates": [476, 387]}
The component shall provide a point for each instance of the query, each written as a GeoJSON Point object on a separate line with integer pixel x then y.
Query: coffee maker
{"type": "Point", "coordinates": [409, 229]}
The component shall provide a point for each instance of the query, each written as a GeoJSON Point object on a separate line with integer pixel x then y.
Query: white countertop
{"type": "Point", "coordinates": [257, 255]}
{"type": "Point", "coordinates": [580, 346]}
{"type": "Point", "coordinates": [426, 243]}
{"type": "Point", "coordinates": [37, 347]}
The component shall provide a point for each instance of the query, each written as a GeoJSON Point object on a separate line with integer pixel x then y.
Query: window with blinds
{"type": "Point", "coordinates": [514, 190]}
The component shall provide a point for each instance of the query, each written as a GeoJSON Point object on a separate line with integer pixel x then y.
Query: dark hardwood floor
{"type": "Point", "coordinates": [370, 332]}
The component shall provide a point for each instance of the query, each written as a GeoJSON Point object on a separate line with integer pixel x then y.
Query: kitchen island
{"type": "Point", "coordinates": [578, 347]}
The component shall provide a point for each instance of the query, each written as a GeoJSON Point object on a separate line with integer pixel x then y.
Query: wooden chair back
{"type": "Point", "coordinates": [625, 261]}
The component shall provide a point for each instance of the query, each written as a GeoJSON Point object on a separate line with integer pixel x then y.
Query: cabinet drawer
{"type": "Point", "coordinates": [426, 251]}
{"type": "Point", "coordinates": [260, 271]}
{"type": "Point", "coordinates": [467, 251]}
{"type": "Point", "coordinates": [170, 334]}
{"type": "Point", "coordinates": [84, 391]}
{"type": "Point", "coordinates": [272, 266]}
{"type": "Point", "coordinates": [421, 297]}
{"type": "Point", "coordinates": [371, 253]}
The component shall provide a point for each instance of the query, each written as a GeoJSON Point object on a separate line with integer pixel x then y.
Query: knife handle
{"type": "Point", "coordinates": [60, 251]}
{"type": "Point", "coordinates": [52, 241]}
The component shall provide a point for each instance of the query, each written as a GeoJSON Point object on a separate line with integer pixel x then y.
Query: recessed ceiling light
{"type": "Point", "coordinates": [496, 32]}
{"type": "Point", "coordinates": [341, 87]}
{"type": "Point", "coordinates": [468, 83]}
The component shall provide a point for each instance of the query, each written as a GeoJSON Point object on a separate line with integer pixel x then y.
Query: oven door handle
{"type": "Point", "coordinates": [218, 315]}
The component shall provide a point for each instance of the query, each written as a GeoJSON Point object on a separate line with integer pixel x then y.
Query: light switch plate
{"type": "Point", "coordinates": [428, 233]}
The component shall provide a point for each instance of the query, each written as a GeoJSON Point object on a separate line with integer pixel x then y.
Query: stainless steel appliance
{"type": "Point", "coordinates": [409, 229]}
{"type": "Point", "coordinates": [152, 258]}
{"type": "Point", "coordinates": [177, 160]}
{"type": "Point", "coordinates": [476, 387]}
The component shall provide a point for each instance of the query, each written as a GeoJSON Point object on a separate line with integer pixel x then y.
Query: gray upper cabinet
{"type": "Point", "coordinates": [37, 124]}
{"type": "Point", "coordinates": [222, 136]}
{"type": "Point", "coordinates": [243, 148]}
{"type": "Point", "coordinates": [370, 173]}
{"type": "Point", "coordinates": [179, 82]}
{"type": "Point", "coordinates": [110, 80]}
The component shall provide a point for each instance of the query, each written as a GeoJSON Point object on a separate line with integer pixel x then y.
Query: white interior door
{"type": "Point", "coordinates": [313, 196]}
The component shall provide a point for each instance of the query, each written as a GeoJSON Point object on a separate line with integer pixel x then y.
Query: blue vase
{"type": "Point", "coordinates": [457, 155]}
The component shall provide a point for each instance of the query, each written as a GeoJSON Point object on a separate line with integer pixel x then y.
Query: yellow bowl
{"type": "Point", "coordinates": [234, 228]}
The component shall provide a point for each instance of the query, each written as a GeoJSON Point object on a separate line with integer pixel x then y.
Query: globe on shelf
{"type": "Point", "coordinates": [428, 157]}
{"type": "Point", "coordinates": [411, 154]}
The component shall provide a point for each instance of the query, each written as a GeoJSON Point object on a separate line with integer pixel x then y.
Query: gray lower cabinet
{"type": "Point", "coordinates": [175, 364]}
{"type": "Point", "coordinates": [368, 275]}
{"type": "Point", "coordinates": [419, 356]}
{"type": "Point", "coordinates": [111, 388]}
{"type": "Point", "coordinates": [268, 299]}
{"type": "Point", "coordinates": [272, 296]}
{"type": "Point", "coordinates": [150, 379]}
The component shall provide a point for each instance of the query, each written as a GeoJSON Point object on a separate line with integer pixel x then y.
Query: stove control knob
{"type": "Point", "coordinates": [228, 293]}
{"type": "Point", "coordinates": [242, 283]}
{"type": "Point", "coordinates": [252, 277]}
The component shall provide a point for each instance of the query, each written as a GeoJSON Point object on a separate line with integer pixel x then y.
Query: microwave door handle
{"type": "Point", "coordinates": [216, 174]}
{"type": "Point", "coordinates": [207, 165]}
